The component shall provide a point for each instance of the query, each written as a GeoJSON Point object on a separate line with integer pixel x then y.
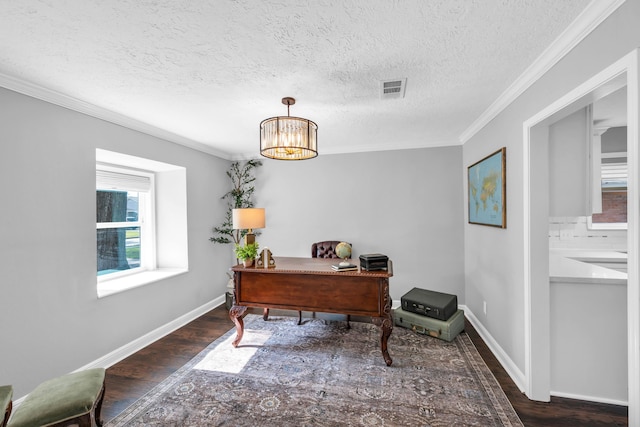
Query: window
{"type": "Point", "coordinates": [141, 221]}
{"type": "Point", "coordinates": [124, 221]}
{"type": "Point", "coordinates": [614, 197]}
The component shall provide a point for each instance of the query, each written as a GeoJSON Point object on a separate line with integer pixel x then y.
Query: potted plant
{"type": "Point", "coordinates": [247, 253]}
{"type": "Point", "coordinates": [240, 196]}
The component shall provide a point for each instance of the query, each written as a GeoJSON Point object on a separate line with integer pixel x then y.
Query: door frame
{"type": "Point", "coordinates": [536, 267]}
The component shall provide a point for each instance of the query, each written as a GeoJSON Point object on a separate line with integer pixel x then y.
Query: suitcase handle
{"type": "Point", "coordinates": [424, 331]}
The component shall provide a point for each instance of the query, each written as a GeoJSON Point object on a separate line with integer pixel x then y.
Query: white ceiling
{"type": "Point", "coordinates": [205, 73]}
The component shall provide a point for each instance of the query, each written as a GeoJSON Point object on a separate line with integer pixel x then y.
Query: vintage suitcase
{"type": "Point", "coordinates": [371, 262]}
{"type": "Point", "coordinates": [430, 303]}
{"type": "Point", "coordinates": [444, 329]}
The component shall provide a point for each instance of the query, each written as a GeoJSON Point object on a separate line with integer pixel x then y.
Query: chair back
{"type": "Point", "coordinates": [326, 249]}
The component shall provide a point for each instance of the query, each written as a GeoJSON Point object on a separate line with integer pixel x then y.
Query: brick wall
{"type": "Point", "coordinates": [614, 207]}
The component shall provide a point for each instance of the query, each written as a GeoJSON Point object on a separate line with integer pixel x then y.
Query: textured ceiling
{"type": "Point", "coordinates": [210, 71]}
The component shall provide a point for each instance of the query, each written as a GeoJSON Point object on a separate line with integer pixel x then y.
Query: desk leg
{"type": "Point", "coordinates": [236, 314]}
{"type": "Point", "coordinates": [386, 325]}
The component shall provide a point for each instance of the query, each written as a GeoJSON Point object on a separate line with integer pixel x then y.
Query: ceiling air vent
{"type": "Point", "coordinates": [392, 89]}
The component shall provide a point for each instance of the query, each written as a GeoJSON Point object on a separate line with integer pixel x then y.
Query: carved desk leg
{"type": "Point", "coordinates": [385, 322]}
{"type": "Point", "coordinates": [386, 325]}
{"type": "Point", "coordinates": [236, 313]}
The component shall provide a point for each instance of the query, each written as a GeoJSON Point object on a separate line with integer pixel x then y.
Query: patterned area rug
{"type": "Point", "coordinates": [322, 374]}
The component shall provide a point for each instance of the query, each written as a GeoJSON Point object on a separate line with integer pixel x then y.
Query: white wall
{"type": "Point", "coordinates": [494, 267]}
{"type": "Point", "coordinates": [589, 341]}
{"type": "Point", "coordinates": [405, 204]}
{"type": "Point", "coordinates": [51, 321]}
{"type": "Point", "coordinates": [574, 233]}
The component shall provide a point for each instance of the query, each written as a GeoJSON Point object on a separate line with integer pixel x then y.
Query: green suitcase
{"type": "Point", "coordinates": [444, 329]}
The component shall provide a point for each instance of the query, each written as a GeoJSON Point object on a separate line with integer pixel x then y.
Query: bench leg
{"type": "Point", "coordinates": [7, 414]}
{"type": "Point", "coordinates": [98, 409]}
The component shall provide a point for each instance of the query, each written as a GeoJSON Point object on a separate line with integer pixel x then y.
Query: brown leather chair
{"type": "Point", "coordinates": [326, 249]}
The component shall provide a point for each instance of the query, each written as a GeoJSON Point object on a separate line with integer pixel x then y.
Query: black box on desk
{"type": "Point", "coordinates": [372, 262]}
{"type": "Point", "coordinates": [430, 303]}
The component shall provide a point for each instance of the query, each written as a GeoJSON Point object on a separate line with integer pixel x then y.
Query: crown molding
{"type": "Point", "coordinates": [74, 104]}
{"type": "Point", "coordinates": [392, 146]}
{"type": "Point", "coordinates": [592, 16]}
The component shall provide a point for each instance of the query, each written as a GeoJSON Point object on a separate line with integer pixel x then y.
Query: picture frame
{"type": "Point", "coordinates": [487, 190]}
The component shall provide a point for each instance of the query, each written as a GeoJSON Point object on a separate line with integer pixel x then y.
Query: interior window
{"type": "Point", "coordinates": [614, 194]}
{"type": "Point", "coordinates": [141, 221]}
{"type": "Point", "coordinates": [609, 177]}
{"type": "Point", "coordinates": [123, 199]}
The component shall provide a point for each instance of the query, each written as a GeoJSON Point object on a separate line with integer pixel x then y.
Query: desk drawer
{"type": "Point", "coordinates": [357, 295]}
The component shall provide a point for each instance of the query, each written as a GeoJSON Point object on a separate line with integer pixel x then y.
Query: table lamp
{"type": "Point", "coordinates": [248, 219]}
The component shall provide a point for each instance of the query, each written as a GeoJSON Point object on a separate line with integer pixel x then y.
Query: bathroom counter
{"type": "Point", "coordinates": [569, 265]}
{"type": "Point", "coordinates": [591, 255]}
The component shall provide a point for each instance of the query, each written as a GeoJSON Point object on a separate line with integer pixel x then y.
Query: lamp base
{"type": "Point", "coordinates": [249, 238]}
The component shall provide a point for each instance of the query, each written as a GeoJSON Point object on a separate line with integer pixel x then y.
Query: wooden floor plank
{"type": "Point", "coordinates": [131, 378]}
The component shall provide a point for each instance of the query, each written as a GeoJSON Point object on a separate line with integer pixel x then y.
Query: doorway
{"type": "Point", "coordinates": [536, 242]}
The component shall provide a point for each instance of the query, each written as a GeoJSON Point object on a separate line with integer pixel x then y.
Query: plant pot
{"type": "Point", "coordinates": [247, 262]}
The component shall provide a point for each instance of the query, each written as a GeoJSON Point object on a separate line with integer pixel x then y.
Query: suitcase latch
{"type": "Point", "coordinates": [424, 331]}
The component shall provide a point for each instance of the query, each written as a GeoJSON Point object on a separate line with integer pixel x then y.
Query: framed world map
{"type": "Point", "coordinates": [488, 190]}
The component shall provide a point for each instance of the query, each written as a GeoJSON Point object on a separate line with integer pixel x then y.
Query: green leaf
{"type": "Point", "coordinates": [239, 196]}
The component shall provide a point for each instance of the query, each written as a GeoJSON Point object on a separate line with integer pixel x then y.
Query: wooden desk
{"type": "Point", "coordinates": [309, 284]}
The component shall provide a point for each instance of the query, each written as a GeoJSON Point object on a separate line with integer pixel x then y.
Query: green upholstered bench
{"type": "Point", "coordinates": [73, 399]}
{"type": "Point", "coordinates": [6, 392]}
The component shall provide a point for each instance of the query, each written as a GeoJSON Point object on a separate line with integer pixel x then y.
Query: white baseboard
{"type": "Point", "coordinates": [149, 338]}
{"type": "Point", "coordinates": [590, 398]}
{"type": "Point", "coordinates": [512, 370]}
{"type": "Point", "coordinates": [138, 344]}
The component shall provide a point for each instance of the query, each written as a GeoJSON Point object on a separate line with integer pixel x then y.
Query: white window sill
{"type": "Point", "coordinates": [121, 284]}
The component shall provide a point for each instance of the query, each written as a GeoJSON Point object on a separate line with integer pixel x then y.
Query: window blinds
{"type": "Point", "coordinates": [108, 180]}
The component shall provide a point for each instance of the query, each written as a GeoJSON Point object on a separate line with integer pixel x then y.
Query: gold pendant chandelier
{"type": "Point", "coordinates": [288, 138]}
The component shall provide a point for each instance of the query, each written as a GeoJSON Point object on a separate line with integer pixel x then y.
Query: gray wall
{"type": "Point", "coordinates": [614, 140]}
{"type": "Point", "coordinates": [494, 266]}
{"type": "Point", "coordinates": [568, 174]}
{"type": "Point", "coordinates": [406, 204]}
{"type": "Point", "coordinates": [51, 321]}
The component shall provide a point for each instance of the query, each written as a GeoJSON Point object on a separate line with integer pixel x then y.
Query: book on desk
{"type": "Point", "coordinates": [344, 267]}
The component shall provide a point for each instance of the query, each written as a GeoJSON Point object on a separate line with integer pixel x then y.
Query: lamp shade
{"type": "Point", "coordinates": [248, 218]}
{"type": "Point", "coordinates": [288, 138]}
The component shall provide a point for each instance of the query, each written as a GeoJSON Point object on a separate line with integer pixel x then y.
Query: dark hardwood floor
{"type": "Point", "coordinates": [131, 378]}
{"type": "Point", "coordinates": [558, 412]}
